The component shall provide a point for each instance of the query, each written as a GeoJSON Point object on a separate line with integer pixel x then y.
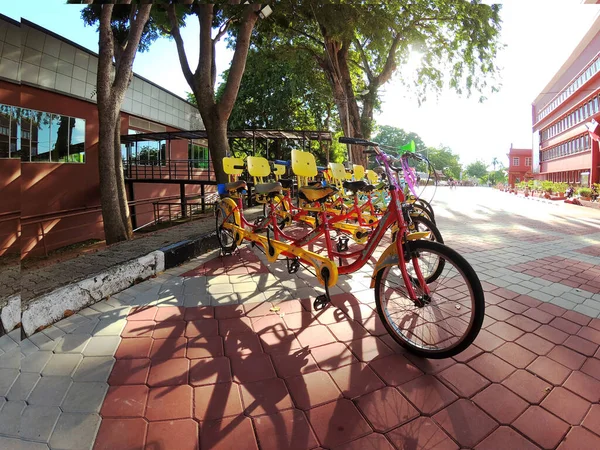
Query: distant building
{"type": "Point", "coordinates": [520, 161]}
{"type": "Point", "coordinates": [563, 148]}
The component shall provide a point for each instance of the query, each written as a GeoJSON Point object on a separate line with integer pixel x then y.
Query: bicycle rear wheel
{"type": "Point", "coordinates": [225, 236]}
{"type": "Point", "coordinates": [449, 320]}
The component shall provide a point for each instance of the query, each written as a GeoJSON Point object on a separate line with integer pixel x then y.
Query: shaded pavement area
{"type": "Point", "coordinates": [227, 352]}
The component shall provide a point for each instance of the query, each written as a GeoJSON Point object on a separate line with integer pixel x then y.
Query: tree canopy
{"type": "Point", "coordinates": [477, 169]}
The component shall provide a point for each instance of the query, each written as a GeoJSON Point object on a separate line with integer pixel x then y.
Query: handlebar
{"type": "Point", "coordinates": [239, 167]}
{"type": "Point", "coordinates": [357, 141]}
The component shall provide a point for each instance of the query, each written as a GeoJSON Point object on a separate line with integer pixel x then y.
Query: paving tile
{"type": "Point", "coordinates": [300, 320]}
{"type": "Point", "coordinates": [35, 362]}
{"type": "Point", "coordinates": [515, 355]}
{"type": "Point", "coordinates": [535, 344]}
{"type": "Point", "coordinates": [63, 364]}
{"type": "Point", "coordinates": [500, 403]}
{"type": "Point", "coordinates": [566, 405]}
{"type": "Point", "coordinates": [217, 401]}
{"type": "Point", "coordinates": [163, 349]}
{"type": "Point", "coordinates": [179, 434]}
{"type": "Point", "coordinates": [369, 348]}
{"type": "Point", "coordinates": [242, 344]}
{"type": "Point", "coordinates": [528, 386]}
{"type": "Point", "coordinates": [505, 331]}
{"type": "Point", "coordinates": [131, 348]}
{"type": "Point", "coordinates": [465, 422]}
{"type": "Point", "coordinates": [142, 313]}
{"type": "Point", "coordinates": [488, 341]}
{"type": "Point", "coordinates": [252, 367]}
{"type": "Point", "coordinates": [565, 325]}
{"type": "Point", "coordinates": [294, 362]}
{"type": "Point", "coordinates": [337, 423]}
{"type": "Point", "coordinates": [129, 371]}
{"type": "Point", "coordinates": [49, 391]}
{"type": "Point", "coordinates": [229, 311]}
{"type": "Point", "coordinates": [592, 368]}
{"type": "Point", "coordinates": [202, 328]}
{"type": "Point", "coordinates": [72, 343]}
{"type": "Point", "coordinates": [513, 306]}
{"type": "Point", "coordinates": [125, 401]}
{"type": "Point", "coordinates": [348, 330]}
{"type": "Point", "coordinates": [592, 420]}
{"type": "Point", "coordinates": [265, 397]}
{"type": "Point", "coordinates": [312, 389]}
{"type": "Point", "coordinates": [578, 318]}
{"type": "Point", "coordinates": [498, 313]}
{"type": "Point", "coordinates": [37, 422]}
{"type": "Point", "coordinates": [421, 434]}
{"type": "Point", "coordinates": [94, 368]}
{"type": "Point", "coordinates": [357, 379]}
{"type": "Point", "coordinates": [581, 345]}
{"type": "Point", "coordinates": [170, 372]}
{"type": "Point", "coordinates": [169, 313]}
{"type": "Point", "coordinates": [590, 334]}
{"type": "Point", "coordinates": [584, 386]}
{"type": "Point", "coordinates": [386, 409]}
{"type": "Point", "coordinates": [332, 356]}
{"type": "Point", "coordinates": [209, 347]}
{"type": "Point", "coordinates": [102, 346]}
{"type": "Point", "coordinates": [508, 438]}
{"type": "Point", "coordinates": [169, 329]}
{"type": "Point", "coordinates": [22, 387]}
{"type": "Point", "coordinates": [279, 341]}
{"type": "Point", "coordinates": [239, 434]}
{"type": "Point", "coordinates": [19, 444]}
{"type": "Point", "coordinates": [491, 367]}
{"type": "Point", "coordinates": [579, 439]}
{"type": "Point", "coordinates": [315, 336]}
{"type": "Point", "coordinates": [137, 329]}
{"type": "Point", "coordinates": [567, 357]}
{"type": "Point", "coordinates": [267, 324]}
{"type": "Point", "coordinates": [373, 441]}
{"type": "Point", "coordinates": [523, 323]}
{"type": "Point", "coordinates": [463, 380]}
{"type": "Point", "coordinates": [428, 394]}
{"type": "Point", "coordinates": [75, 431]}
{"type": "Point", "coordinates": [551, 334]}
{"type": "Point", "coordinates": [121, 434]}
{"type": "Point", "coordinates": [210, 371]}
{"type": "Point", "coordinates": [538, 315]}
{"type": "Point", "coordinates": [198, 312]}
{"type": "Point", "coordinates": [169, 403]}
{"type": "Point", "coordinates": [10, 417]}
{"type": "Point", "coordinates": [549, 370]}
{"type": "Point", "coordinates": [541, 427]}
{"type": "Point", "coordinates": [113, 326]}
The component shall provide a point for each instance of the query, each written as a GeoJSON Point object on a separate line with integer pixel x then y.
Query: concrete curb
{"type": "Point", "coordinates": [51, 307]}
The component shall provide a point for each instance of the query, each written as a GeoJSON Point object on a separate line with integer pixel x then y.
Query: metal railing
{"type": "Point", "coordinates": [171, 169]}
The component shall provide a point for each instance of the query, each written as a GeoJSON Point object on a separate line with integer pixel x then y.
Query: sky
{"type": "Point", "coordinates": [539, 36]}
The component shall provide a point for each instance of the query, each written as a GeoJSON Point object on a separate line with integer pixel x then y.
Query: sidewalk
{"type": "Point", "coordinates": [227, 353]}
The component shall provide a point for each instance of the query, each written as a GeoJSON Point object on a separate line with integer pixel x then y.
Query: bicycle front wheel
{"type": "Point", "coordinates": [444, 323]}
{"type": "Point", "coordinates": [226, 237]}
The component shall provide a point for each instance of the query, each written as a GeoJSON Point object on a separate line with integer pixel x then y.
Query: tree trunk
{"type": "Point", "coordinates": [218, 145]}
{"type": "Point", "coordinates": [114, 230]}
{"type": "Point", "coordinates": [120, 178]}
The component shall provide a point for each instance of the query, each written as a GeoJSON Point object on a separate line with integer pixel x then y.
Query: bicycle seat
{"type": "Point", "coordinates": [357, 186]}
{"type": "Point", "coordinates": [236, 186]}
{"type": "Point", "coordinates": [268, 188]}
{"type": "Point", "coordinates": [316, 193]}
{"type": "Point", "coordinates": [287, 183]}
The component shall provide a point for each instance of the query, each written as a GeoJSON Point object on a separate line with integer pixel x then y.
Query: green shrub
{"type": "Point", "coordinates": [548, 186]}
{"type": "Point", "coordinates": [585, 192]}
{"type": "Point", "coordinates": [560, 187]}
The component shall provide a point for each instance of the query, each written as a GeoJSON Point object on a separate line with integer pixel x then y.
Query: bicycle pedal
{"type": "Point", "coordinates": [320, 302]}
{"type": "Point", "coordinates": [293, 265]}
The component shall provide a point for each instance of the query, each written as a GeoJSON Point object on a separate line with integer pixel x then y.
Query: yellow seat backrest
{"type": "Point", "coordinates": [338, 171]}
{"type": "Point", "coordinates": [348, 176]}
{"type": "Point", "coordinates": [359, 172]}
{"type": "Point", "coordinates": [278, 170]}
{"type": "Point", "coordinates": [304, 164]}
{"type": "Point", "coordinates": [229, 164]}
{"type": "Point", "coordinates": [372, 177]}
{"type": "Point", "coordinates": [258, 167]}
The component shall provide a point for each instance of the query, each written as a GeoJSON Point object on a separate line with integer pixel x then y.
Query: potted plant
{"type": "Point", "coordinates": [585, 193]}
{"type": "Point", "coordinates": [547, 187]}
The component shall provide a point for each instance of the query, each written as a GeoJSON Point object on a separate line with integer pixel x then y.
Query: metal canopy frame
{"type": "Point", "coordinates": [298, 135]}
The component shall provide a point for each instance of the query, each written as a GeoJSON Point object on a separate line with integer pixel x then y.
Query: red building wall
{"type": "Point", "coordinates": [520, 171]}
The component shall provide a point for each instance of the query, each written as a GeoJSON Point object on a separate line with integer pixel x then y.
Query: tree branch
{"type": "Point", "coordinates": [390, 63]}
{"type": "Point", "coordinates": [365, 61]}
{"type": "Point", "coordinates": [106, 55]}
{"type": "Point", "coordinates": [183, 61]}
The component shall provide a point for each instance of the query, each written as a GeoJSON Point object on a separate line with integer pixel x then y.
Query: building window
{"type": "Point", "coordinates": [515, 161]}
{"type": "Point", "coordinates": [198, 155]}
{"type": "Point", "coordinates": [37, 136]}
{"type": "Point", "coordinates": [528, 162]}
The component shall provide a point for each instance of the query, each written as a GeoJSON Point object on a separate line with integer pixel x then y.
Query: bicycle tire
{"type": "Point", "coordinates": [422, 223]}
{"type": "Point", "coordinates": [427, 206]}
{"type": "Point", "coordinates": [470, 284]}
{"type": "Point", "coordinates": [221, 212]}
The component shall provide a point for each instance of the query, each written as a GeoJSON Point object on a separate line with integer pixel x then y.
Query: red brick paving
{"type": "Point", "coordinates": [244, 377]}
